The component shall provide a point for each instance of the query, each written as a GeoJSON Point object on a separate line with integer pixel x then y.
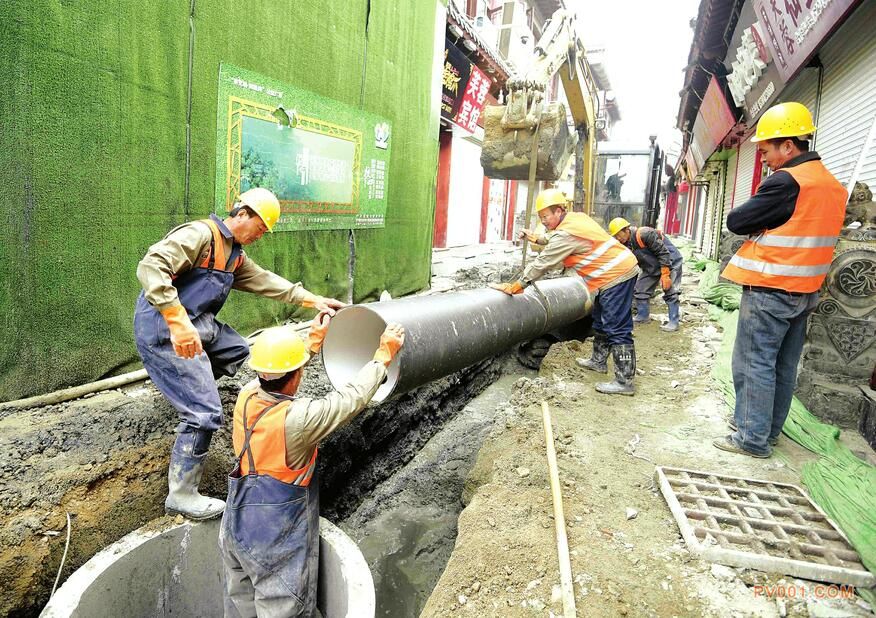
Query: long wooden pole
{"type": "Point", "coordinates": [559, 517]}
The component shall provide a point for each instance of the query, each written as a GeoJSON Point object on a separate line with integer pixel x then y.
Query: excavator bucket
{"type": "Point", "coordinates": [506, 154]}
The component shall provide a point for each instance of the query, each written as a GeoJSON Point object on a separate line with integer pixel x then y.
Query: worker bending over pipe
{"type": "Point", "coordinates": [269, 537]}
{"type": "Point", "coordinates": [186, 278]}
{"type": "Point", "coordinates": [609, 270]}
{"type": "Point", "coordinates": [659, 260]}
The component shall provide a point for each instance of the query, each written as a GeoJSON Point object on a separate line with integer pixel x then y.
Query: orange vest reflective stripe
{"type": "Point", "coordinates": [796, 256]}
{"type": "Point", "coordinates": [608, 259]}
{"type": "Point", "coordinates": [217, 247]}
{"type": "Point", "coordinates": [259, 436]}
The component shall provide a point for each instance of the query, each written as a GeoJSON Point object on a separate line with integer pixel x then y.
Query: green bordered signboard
{"type": "Point", "coordinates": [327, 162]}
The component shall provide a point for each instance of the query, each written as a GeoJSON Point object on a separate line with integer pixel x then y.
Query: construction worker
{"type": "Point", "coordinates": [186, 278]}
{"type": "Point", "coordinates": [269, 538]}
{"type": "Point", "coordinates": [659, 260]}
{"type": "Point", "coordinates": [609, 270]}
{"type": "Point", "coordinates": [792, 223]}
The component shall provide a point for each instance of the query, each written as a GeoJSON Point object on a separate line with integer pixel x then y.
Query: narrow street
{"type": "Point", "coordinates": [505, 558]}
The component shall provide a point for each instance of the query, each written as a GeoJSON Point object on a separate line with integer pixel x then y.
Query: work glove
{"type": "Point", "coordinates": [318, 329]}
{"type": "Point", "coordinates": [509, 288]}
{"type": "Point", "coordinates": [391, 342]}
{"type": "Point", "coordinates": [183, 336]}
{"type": "Point", "coordinates": [321, 303]}
{"type": "Point", "coordinates": [665, 278]}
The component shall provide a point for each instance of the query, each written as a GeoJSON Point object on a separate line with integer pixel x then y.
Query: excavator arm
{"type": "Point", "coordinates": [509, 129]}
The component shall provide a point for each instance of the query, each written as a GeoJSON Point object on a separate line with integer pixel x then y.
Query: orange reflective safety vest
{"type": "Point", "coordinates": [796, 256]}
{"type": "Point", "coordinates": [608, 259]}
{"type": "Point", "coordinates": [259, 436]}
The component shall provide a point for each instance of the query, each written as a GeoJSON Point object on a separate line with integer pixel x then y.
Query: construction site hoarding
{"type": "Point", "coordinates": [326, 161]}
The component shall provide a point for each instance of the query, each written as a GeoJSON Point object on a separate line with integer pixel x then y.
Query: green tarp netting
{"type": "Point", "coordinates": [93, 160]}
{"type": "Point", "coordinates": [840, 483]}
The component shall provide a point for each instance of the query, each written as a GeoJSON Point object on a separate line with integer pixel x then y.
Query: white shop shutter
{"type": "Point", "coordinates": [729, 187]}
{"type": "Point", "coordinates": [848, 100]}
{"type": "Point", "coordinates": [745, 172]}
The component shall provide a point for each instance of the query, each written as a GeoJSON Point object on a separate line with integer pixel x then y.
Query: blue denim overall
{"type": "Point", "coordinates": [269, 539]}
{"type": "Point", "coordinates": [190, 384]}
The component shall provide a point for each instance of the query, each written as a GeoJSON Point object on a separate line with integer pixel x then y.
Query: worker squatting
{"type": "Point", "coordinates": [269, 535]}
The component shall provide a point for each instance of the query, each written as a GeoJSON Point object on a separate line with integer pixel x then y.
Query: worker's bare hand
{"type": "Point", "coordinates": [328, 305]}
{"type": "Point", "coordinates": [528, 235]}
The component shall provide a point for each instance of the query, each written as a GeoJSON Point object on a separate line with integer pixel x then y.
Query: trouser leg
{"type": "Point", "coordinates": [617, 316]}
{"type": "Point", "coordinates": [787, 361]}
{"type": "Point", "coordinates": [758, 338]}
{"type": "Point", "coordinates": [239, 597]}
{"type": "Point", "coordinates": [226, 351]}
{"type": "Point", "coordinates": [187, 383]}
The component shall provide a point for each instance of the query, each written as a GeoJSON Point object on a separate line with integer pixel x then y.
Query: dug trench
{"type": "Point", "coordinates": [104, 459]}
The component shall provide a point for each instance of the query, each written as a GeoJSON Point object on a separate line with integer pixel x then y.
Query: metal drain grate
{"type": "Point", "coordinates": [761, 525]}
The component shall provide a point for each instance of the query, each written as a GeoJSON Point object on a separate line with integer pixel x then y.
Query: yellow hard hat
{"type": "Point", "coordinates": [784, 120]}
{"type": "Point", "coordinates": [278, 350]}
{"type": "Point", "coordinates": [617, 224]}
{"type": "Point", "coordinates": [550, 197]}
{"type": "Point", "coordinates": [264, 203]}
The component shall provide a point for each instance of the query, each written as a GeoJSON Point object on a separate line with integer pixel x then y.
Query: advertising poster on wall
{"type": "Point", "coordinates": [326, 161]}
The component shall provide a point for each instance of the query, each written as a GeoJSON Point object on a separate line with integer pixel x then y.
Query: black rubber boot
{"type": "Point", "coordinates": [184, 475]}
{"type": "Point", "coordinates": [624, 357]}
{"type": "Point", "coordinates": [598, 360]}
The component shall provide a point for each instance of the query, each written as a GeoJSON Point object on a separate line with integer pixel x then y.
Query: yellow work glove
{"type": "Point", "coordinates": [509, 288]}
{"type": "Point", "coordinates": [665, 278]}
{"type": "Point", "coordinates": [318, 329]}
{"type": "Point", "coordinates": [183, 336]}
{"type": "Point", "coordinates": [321, 303]}
{"type": "Point", "coordinates": [391, 342]}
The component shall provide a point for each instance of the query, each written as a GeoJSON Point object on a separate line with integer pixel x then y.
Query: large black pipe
{"type": "Point", "coordinates": [447, 332]}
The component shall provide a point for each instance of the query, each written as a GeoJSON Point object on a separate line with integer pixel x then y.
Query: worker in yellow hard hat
{"type": "Point", "coordinates": [608, 269]}
{"type": "Point", "coordinates": [270, 532]}
{"type": "Point", "coordinates": [792, 224]}
{"type": "Point", "coordinates": [659, 261]}
{"type": "Point", "coordinates": [186, 278]}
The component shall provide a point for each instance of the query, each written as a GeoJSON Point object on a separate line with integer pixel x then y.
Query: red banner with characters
{"type": "Point", "coordinates": [465, 89]}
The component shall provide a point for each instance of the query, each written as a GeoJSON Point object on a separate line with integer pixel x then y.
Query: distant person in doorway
{"type": "Point", "coordinates": [792, 223]}
{"type": "Point", "coordinates": [269, 537]}
{"type": "Point", "coordinates": [659, 261]}
{"type": "Point", "coordinates": [609, 270]}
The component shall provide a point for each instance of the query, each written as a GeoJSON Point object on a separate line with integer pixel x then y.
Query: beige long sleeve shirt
{"type": "Point", "coordinates": [559, 245]}
{"type": "Point", "coordinates": [310, 420]}
{"type": "Point", "coordinates": [187, 246]}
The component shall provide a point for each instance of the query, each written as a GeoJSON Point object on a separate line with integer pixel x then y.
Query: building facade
{"type": "Point", "coordinates": [821, 54]}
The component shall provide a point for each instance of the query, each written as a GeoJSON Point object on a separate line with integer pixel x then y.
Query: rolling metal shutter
{"type": "Point", "coordinates": [848, 100]}
{"type": "Point", "coordinates": [745, 172]}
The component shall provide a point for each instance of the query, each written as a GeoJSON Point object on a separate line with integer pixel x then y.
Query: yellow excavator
{"type": "Point", "coordinates": [528, 138]}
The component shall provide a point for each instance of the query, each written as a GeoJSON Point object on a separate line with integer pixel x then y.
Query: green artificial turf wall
{"type": "Point", "coordinates": [93, 170]}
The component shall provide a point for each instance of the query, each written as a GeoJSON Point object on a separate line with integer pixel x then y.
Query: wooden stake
{"type": "Point", "coordinates": [559, 518]}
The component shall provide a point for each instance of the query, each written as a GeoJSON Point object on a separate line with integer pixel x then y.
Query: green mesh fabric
{"type": "Point", "coordinates": [94, 160]}
{"type": "Point", "coordinates": [843, 485]}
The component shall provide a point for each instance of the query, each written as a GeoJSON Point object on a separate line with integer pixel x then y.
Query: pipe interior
{"type": "Point", "coordinates": [350, 343]}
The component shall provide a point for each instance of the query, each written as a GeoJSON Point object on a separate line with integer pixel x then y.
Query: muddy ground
{"type": "Point", "coordinates": [104, 459]}
{"type": "Point", "coordinates": [505, 559]}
